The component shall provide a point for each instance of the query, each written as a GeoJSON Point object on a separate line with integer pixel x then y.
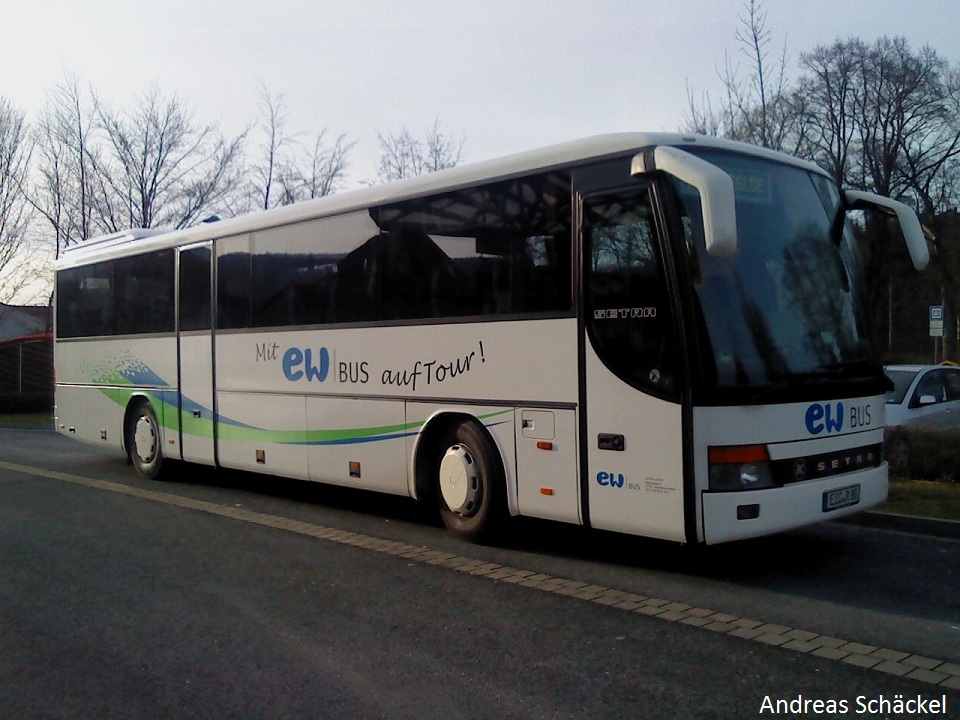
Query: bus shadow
{"type": "Point", "coordinates": [350, 500]}
{"type": "Point", "coordinates": [831, 562]}
{"type": "Point", "coordinates": [783, 554]}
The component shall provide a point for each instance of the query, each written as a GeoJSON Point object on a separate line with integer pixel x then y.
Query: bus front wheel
{"type": "Point", "coordinates": [470, 483]}
{"type": "Point", "coordinates": [143, 440]}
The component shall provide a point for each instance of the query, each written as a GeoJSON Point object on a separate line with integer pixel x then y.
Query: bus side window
{"type": "Point", "coordinates": [233, 287]}
{"type": "Point", "coordinates": [85, 301]}
{"type": "Point", "coordinates": [195, 301]}
{"type": "Point", "coordinates": [498, 249]}
{"type": "Point", "coordinates": [126, 296]}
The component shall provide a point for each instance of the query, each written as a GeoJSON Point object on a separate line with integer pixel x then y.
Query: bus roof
{"type": "Point", "coordinates": [136, 241]}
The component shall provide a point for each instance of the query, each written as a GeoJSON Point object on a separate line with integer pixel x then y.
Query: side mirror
{"type": "Point", "coordinates": [927, 400]}
{"type": "Point", "coordinates": [717, 200]}
{"type": "Point", "coordinates": [906, 217]}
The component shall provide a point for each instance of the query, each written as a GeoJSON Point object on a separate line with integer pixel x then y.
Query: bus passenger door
{"type": "Point", "coordinates": [634, 429]}
{"type": "Point", "coordinates": [195, 353]}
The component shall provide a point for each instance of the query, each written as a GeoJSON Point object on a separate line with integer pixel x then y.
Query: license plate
{"type": "Point", "coordinates": [841, 498]}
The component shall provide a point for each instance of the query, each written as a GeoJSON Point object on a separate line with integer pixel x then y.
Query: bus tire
{"type": "Point", "coordinates": [143, 440]}
{"type": "Point", "coordinates": [470, 483]}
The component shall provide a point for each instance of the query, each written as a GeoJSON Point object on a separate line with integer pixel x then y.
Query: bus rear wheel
{"type": "Point", "coordinates": [143, 440]}
{"type": "Point", "coordinates": [471, 486]}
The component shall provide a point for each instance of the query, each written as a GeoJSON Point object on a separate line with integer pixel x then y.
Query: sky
{"type": "Point", "coordinates": [504, 75]}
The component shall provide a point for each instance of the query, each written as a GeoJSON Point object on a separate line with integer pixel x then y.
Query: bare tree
{"type": "Point", "coordinates": [883, 118]}
{"type": "Point", "coordinates": [908, 125]}
{"type": "Point", "coordinates": [150, 165]}
{"type": "Point", "coordinates": [267, 166]}
{"type": "Point", "coordinates": [700, 117]}
{"type": "Point", "coordinates": [316, 171]}
{"type": "Point", "coordinates": [14, 208]}
{"type": "Point", "coordinates": [879, 117]}
{"type": "Point", "coordinates": [827, 107]}
{"type": "Point", "coordinates": [756, 108]}
{"type": "Point", "coordinates": [402, 155]}
{"type": "Point", "coordinates": [64, 158]}
{"type": "Point", "coordinates": [442, 151]}
{"type": "Point", "coordinates": [285, 170]}
{"type": "Point", "coordinates": [25, 279]}
{"type": "Point", "coordinates": [762, 105]}
{"type": "Point", "coordinates": [160, 169]}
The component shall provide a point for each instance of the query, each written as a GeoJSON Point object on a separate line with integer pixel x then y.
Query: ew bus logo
{"type": "Point", "coordinates": [298, 364]}
{"type": "Point", "coordinates": [822, 417]}
{"type": "Point", "coordinates": [610, 479]}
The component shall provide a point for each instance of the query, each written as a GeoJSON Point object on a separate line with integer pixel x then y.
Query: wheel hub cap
{"type": "Point", "coordinates": [459, 480]}
{"type": "Point", "coordinates": [145, 440]}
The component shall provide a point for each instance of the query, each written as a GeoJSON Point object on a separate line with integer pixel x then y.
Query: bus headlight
{"type": "Point", "coordinates": [741, 467]}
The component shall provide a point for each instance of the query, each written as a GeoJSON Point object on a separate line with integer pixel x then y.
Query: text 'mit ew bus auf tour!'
{"type": "Point", "coordinates": [653, 334]}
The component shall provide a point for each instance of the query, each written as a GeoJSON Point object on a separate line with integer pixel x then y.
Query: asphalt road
{"type": "Point", "coordinates": [226, 595]}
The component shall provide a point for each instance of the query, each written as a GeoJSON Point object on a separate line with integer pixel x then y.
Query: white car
{"type": "Point", "coordinates": [924, 396]}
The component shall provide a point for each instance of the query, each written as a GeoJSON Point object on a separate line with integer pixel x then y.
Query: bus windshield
{"type": "Point", "coordinates": [786, 308]}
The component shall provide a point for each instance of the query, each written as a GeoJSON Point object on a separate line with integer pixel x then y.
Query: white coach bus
{"type": "Point", "coordinates": [653, 334]}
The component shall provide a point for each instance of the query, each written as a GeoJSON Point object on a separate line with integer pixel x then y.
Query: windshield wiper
{"type": "Point", "coordinates": [838, 367]}
{"type": "Point", "coordinates": [824, 374]}
{"type": "Point", "coordinates": [793, 382]}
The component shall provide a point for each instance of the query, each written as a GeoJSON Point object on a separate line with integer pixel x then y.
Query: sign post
{"type": "Point", "coordinates": [936, 329]}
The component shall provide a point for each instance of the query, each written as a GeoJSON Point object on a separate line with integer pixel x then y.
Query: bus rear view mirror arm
{"type": "Point", "coordinates": [906, 217]}
{"type": "Point", "coordinates": [716, 192]}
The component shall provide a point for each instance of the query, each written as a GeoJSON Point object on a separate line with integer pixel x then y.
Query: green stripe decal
{"type": "Point", "coordinates": [234, 431]}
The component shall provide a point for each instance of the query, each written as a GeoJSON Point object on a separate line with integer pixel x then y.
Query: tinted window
{"type": "Point", "coordinates": [786, 308]}
{"type": "Point", "coordinates": [195, 289]}
{"type": "Point", "coordinates": [627, 300]}
{"type": "Point", "coordinates": [233, 283]}
{"type": "Point", "coordinates": [119, 297]}
{"type": "Point", "coordinates": [85, 301]}
{"type": "Point", "coordinates": [317, 272]}
{"type": "Point", "coordinates": [499, 249]}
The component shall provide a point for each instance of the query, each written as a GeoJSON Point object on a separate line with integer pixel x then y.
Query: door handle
{"type": "Point", "coordinates": [611, 441]}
